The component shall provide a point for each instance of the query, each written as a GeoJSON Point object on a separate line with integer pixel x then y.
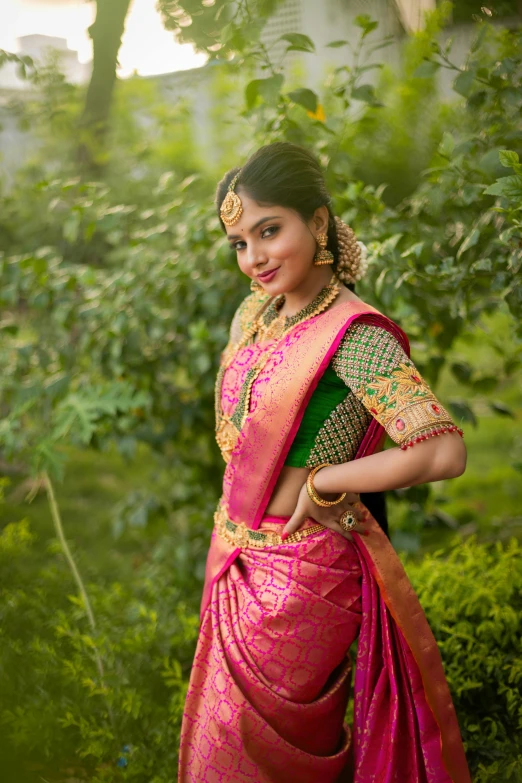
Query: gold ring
{"type": "Point", "coordinates": [348, 521]}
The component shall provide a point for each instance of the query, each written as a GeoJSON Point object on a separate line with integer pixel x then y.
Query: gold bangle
{"type": "Point", "coordinates": [312, 492]}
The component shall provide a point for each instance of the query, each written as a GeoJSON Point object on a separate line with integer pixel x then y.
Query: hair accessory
{"type": "Point", "coordinates": [323, 256]}
{"type": "Point", "coordinates": [312, 492]}
{"type": "Point", "coordinates": [352, 263]}
{"type": "Point", "coordinates": [231, 207]}
{"type": "Point", "coordinates": [348, 521]}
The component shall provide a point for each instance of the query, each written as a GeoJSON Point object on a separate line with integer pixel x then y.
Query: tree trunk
{"type": "Point", "coordinates": [106, 33]}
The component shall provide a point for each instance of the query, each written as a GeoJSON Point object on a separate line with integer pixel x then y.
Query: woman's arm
{"type": "Point", "coordinates": [372, 362]}
{"type": "Point", "coordinates": [430, 460]}
{"type": "Point", "coordinates": [434, 459]}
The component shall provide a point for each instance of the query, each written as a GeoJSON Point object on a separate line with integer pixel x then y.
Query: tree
{"type": "Point", "coordinates": [106, 33]}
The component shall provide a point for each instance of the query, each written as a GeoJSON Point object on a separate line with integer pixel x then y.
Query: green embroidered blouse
{"type": "Point", "coordinates": [370, 375]}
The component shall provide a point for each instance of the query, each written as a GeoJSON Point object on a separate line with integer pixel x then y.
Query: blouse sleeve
{"type": "Point", "coordinates": [376, 368]}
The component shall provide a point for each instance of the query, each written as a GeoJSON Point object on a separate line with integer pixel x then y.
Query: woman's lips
{"type": "Point", "coordinates": [268, 276]}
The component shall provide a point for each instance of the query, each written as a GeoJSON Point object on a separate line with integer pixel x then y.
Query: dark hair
{"type": "Point", "coordinates": [286, 175]}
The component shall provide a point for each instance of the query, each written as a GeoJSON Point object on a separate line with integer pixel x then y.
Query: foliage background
{"type": "Point", "coordinates": [116, 293]}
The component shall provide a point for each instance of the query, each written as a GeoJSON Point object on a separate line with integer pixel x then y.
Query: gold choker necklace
{"type": "Point", "coordinates": [271, 325]}
{"type": "Point", "coordinates": [268, 325]}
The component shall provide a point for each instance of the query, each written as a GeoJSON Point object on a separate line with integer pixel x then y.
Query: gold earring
{"type": "Point", "coordinates": [255, 286]}
{"type": "Point", "coordinates": [323, 256]}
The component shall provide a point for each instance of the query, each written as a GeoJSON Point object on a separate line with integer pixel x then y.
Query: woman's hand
{"type": "Point", "coordinates": [326, 515]}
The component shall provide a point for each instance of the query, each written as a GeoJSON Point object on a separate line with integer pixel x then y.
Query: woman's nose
{"type": "Point", "coordinates": [255, 256]}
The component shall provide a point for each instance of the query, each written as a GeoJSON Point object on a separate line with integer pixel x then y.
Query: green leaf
{"type": "Point", "coordinates": [305, 97]}
{"type": "Point", "coordinates": [268, 89]}
{"type": "Point", "coordinates": [462, 411]}
{"type": "Point", "coordinates": [366, 23]}
{"type": "Point", "coordinates": [336, 44]}
{"type": "Point", "coordinates": [298, 42]}
{"type": "Point", "coordinates": [470, 241]}
{"type": "Point", "coordinates": [426, 69]}
{"type": "Point", "coordinates": [477, 43]}
{"type": "Point", "coordinates": [464, 82]}
{"type": "Point", "coordinates": [57, 384]}
{"type": "Point", "coordinates": [227, 32]}
{"type": "Point", "coordinates": [501, 408]}
{"type": "Point", "coordinates": [509, 159]}
{"type": "Point", "coordinates": [71, 227]}
{"type": "Point", "coordinates": [485, 383]}
{"type": "Point", "coordinates": [482, 265]}
{"type": "Point", "coordinates": [509, 187]}
{"type": "Point", "coordinates": [382, 45]}
{"type": "Point", "coordinates": [370, 67]}
{"type": "Point", "coordinates": [447, 145]}
{"type": "Point", "coordinates": [366, 93]}
{"type": "Point", "coordinates": [8, 326]}
{"type": "Point", "coordinates": [252, 93]}
{"type": "Point", "coordinates": [462, 371]}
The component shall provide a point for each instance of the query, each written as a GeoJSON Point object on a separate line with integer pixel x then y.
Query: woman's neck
{"type": "Point", "coordinates": [305, 292]}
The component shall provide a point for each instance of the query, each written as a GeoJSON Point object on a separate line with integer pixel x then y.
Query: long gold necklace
{"type": "Point", "coordinates": [268, 324]}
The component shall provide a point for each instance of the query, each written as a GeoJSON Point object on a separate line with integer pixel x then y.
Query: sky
{"type": "Point", "coordinates": [146, 46]}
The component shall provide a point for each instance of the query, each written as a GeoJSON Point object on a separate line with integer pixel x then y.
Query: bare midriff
{"type": "Point", "coordinates": [286, 492]}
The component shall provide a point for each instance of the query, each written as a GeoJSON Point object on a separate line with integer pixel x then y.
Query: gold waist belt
{"type": "Point", "coordinates": [238, 534]}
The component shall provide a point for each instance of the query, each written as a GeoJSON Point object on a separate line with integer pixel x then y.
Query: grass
{"type": "Point", "coordinates": [88, 500]}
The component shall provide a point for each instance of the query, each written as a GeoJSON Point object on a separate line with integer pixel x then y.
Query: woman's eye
{"type": "Point", "coordinates": [271, 229]}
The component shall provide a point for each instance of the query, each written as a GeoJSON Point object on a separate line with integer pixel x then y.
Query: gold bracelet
{"type": "Point", "coordinates": [312, 492]}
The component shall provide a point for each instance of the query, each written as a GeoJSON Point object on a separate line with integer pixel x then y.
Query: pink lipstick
{"type": "Point", "coordinates": [265, 278]}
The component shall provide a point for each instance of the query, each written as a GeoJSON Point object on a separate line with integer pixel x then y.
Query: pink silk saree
{"type": "Point", "coordinates": [271, 676]}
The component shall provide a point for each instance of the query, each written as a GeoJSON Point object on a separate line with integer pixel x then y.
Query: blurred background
{"type": "Point", "coordinates": [117, 119]}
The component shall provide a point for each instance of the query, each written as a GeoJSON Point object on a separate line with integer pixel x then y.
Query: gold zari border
{"type": "Point", "coordinates": [239, 535]}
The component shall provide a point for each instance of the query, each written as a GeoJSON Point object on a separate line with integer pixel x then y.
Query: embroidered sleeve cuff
{"type": "Point", "coordinates": [406, 407]}
{"type": "Point", "coordinates": [419, 421]}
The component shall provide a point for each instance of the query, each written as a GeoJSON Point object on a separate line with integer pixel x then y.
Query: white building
{"type": "Point", "coordinates": [43, 49]}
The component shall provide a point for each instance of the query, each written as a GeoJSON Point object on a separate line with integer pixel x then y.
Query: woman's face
{"type": "Point", "coordinates": [275, 238]}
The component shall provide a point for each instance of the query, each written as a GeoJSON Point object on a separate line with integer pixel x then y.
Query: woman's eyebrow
{"type": "Point", "coordinates": [256, 225]}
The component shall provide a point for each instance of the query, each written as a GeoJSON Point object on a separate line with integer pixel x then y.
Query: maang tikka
{"type": "Point", "coordinates": [231, 207]}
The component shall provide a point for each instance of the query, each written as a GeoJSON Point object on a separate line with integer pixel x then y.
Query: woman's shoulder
{"type": "Point", "coordinates": [368, 347]}
{"type": "Point", "coordinates": [365, 312]}
{"type": "Point", "coordinates": [368, 330]}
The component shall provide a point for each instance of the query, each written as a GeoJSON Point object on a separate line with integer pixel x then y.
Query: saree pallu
{"type": "Point", "coordinates": [272, 672]}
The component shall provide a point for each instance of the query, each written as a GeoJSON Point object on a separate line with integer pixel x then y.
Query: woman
{"type": "Point", "coordinates": [311, 381]}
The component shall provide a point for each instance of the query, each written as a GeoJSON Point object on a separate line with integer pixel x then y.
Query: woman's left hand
{"type": "Point", "coordinates": [326, 515]}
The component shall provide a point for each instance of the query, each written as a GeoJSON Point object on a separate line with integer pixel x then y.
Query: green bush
{"type": "Point", "coordinates": [472, 596]}
{"type": "Point", "coordinates": [61, 717]}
